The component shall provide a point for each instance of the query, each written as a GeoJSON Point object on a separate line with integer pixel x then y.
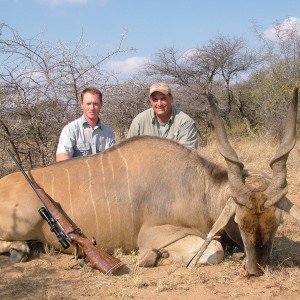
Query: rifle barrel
{"type": "Point", "coordinates": [34, 187]}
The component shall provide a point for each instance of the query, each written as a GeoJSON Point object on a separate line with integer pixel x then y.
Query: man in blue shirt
{"type": "Point", "coordinates": [86, 135]}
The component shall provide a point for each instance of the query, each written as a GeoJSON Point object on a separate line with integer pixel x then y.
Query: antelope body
{"type": "Point", "coordinates": [158, 196]}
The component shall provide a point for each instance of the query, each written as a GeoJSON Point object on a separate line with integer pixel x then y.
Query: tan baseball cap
{"type": "Point", "coordinates": [160, 87]}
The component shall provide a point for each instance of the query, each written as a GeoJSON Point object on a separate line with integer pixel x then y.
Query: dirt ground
{"type": "Point", "coordinates": [49, 275]}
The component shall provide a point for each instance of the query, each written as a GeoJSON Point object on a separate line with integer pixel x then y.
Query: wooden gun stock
{"type": "Point", "coordinates": [107, 264]}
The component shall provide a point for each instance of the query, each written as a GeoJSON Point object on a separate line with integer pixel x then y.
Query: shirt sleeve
{"type": "Point", "coordinates": [112, 139]}
{"type": "Point", "coordinates": [133, 129]}
{"type": "Point", "coordinates": [66, 141]}
{"type": "Point", "coordinates": [189, 135]}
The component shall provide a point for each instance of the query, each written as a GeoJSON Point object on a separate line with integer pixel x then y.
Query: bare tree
{"type": "Point", "coordinates": [281, 50]}
{"type": "Point", "coordinates": [271, 84]}
{"type": "Point", "coordinates": [40, 84]}
{"type": "Point", "coordinates": [214, 66]}
{"type": "Point", "coordinates": [126, 100]}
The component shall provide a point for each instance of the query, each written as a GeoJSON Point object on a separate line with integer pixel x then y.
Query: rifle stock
{"type": "Point", "coordinates": [107, 264]}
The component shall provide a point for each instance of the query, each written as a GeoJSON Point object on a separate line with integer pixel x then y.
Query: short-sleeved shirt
{"type": "Point", "coordinates": [78, 138]}
{"type": "Point", "coordinates": [180, 127]}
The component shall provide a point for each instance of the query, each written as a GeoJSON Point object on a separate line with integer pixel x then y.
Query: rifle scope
{"type": "Point", "coordinates": [46, 215]}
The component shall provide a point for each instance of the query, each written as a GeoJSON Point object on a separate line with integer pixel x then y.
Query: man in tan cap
{"type": "Point", "coordinates": [164, 120]}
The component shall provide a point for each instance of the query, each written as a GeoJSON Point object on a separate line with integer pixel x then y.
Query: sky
{"type": "Point", "coordinates": [150, 26]}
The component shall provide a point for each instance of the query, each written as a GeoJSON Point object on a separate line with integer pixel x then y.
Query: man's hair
{"type": "Point", "coordinates": [91, 90]}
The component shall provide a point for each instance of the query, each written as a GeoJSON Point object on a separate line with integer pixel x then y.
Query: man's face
{"type": "Point", "coordinates": [161, 104]}
{"type": "Point", "coordinates": [91, 105]}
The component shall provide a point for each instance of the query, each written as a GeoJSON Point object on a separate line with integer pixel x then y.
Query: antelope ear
{"type": "Point", "coordinates": [227, 212]}
{"type": "Point", "coordinates": [273, 199]}
{"type": "Point", "coordinates": [289, 207]}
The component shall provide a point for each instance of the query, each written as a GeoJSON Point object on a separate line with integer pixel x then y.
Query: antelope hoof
{"type": "Point", "coordinates": [18, 256]}
{"type": "Point", "coordinates": [148, 258]}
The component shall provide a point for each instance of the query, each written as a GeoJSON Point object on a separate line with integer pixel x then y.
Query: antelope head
{"type": "Point", "coordinates": [258, 200]}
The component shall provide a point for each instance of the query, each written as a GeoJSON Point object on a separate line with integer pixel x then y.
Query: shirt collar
{"type": "Point", "coordinates": [174, 112]}
{"type": "Point", "coordinates": [84, 121]}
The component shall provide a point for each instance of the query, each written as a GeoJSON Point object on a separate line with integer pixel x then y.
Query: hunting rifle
{"type": "Point", "coordinates": [68, 233]}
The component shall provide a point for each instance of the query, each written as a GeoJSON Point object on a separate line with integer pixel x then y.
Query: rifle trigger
{"type": "Point", "coordinates": [94, 241]}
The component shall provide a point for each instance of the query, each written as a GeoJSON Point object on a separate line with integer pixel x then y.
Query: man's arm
{"type": "Point", "coordinates": [134, 129]}
{"type": "Point", "coordinates": [62, 156]}
{"type": "Point", "coordinates": [65, 144]}
{"type": "Point", "coordinates": [189, 136]}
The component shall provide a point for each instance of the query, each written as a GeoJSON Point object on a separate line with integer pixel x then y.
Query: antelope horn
{"type": "Point", "coordinates": [278, 186]}
{"type": "Point", "coordinates": [240, 192]}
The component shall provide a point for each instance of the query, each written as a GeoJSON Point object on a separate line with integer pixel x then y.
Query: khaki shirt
{"type": "Point", "coordinates": [78, 138]}
{"type": "Point", "coordinates": [180, 127]}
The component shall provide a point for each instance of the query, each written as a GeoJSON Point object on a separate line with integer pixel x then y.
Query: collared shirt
{"type": "Point", "coordinates": [180, 127]}
{"type": "Point", "coordinates": [78, 138]}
